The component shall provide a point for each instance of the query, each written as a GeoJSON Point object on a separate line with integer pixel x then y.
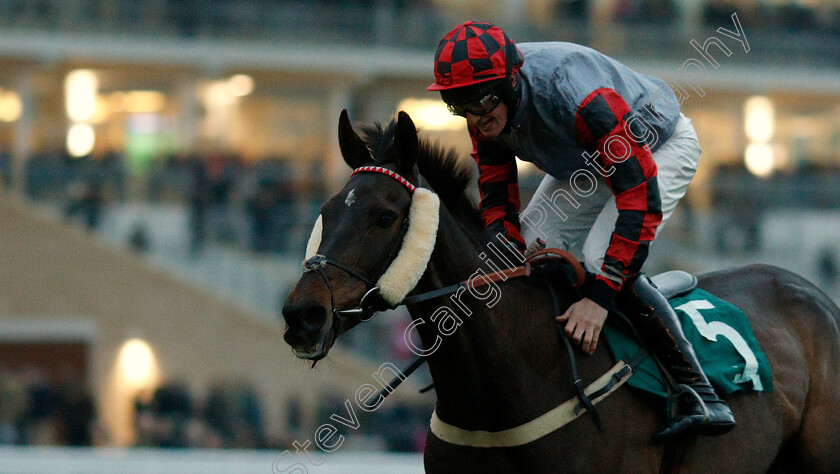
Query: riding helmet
{"type": "Point", "coordinates": [473, 58]}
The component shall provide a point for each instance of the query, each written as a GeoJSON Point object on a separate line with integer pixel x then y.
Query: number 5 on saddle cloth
{"type": "Point", "coordinates": [722, 339]}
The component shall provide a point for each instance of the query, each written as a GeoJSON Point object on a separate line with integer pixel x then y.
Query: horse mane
{"type": "Point", "coordinates": [440, 168]}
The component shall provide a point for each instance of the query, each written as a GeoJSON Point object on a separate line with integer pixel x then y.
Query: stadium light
{"type": "Point", "coordinates": [80, 140]}
{"type": "Point", "coordinates": [139, 102]}
{"type": "Point", "coordinates": [759, 159]}
{"type": "Point", "coordinates": [217, 94]}
{"type": "Point", "coordinates": [137, 364]}
{"type": "Point", "coordinates": [759, 119]}
{"type": "Point", "coordinates": [241, 85]}
{"type": "Point", "coordinates": [11, 107]}
{"type": "Point", "coordinates": [80, 87]}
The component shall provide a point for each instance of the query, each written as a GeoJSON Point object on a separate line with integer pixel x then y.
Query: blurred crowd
{"type": "Point", "coordinates": [792, 17]}
{"type": "Point", "coordinates": [254, 206]}
{"type": "Point", "coordinates": [742, 199]}
{"type": "Point", "coordinates": [776, 17]}
{"type": "Point", "coordinates": [384, 21]}
{"type": "Point", "coordinates": [767, 16]}
{"type": "Point", "coordinates": [366, 20]}
{"type": "Point", "coordinates": [38, 410]}
{"type": "Point", "coordinates": [267, 206]}
{"type": "Point", "coordinates": [395, 426]}
{"type": "Point", "coordinates": [231, 416]}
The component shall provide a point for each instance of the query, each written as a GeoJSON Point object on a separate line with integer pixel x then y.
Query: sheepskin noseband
{"type": "Point", "coordinates": [314, 239]}
{"type": "Point", "coordinates": [410, 263]}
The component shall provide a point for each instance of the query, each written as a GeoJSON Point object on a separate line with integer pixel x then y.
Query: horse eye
{"type": "Point", "coordinates": [386, 219]}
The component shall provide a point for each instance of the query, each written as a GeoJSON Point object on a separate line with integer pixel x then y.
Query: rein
{"type": "Point", "coordinates": [536, 259]}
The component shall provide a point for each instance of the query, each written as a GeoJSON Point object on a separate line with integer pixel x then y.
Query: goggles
{"type": "Point", "coordinates": [481, 106]}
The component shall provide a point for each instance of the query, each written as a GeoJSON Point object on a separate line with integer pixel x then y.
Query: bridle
{"type": "Point", "coordinates": [371, 302]}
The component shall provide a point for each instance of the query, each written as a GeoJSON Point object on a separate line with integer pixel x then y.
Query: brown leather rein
{"type": "Point", "coordinates": [542, 257]}
{"type": "Point", "coordinates": [536, 259]}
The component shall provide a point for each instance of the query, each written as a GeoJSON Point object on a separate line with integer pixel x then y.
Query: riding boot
{"type": "Point", "coordinates": [703, 410]}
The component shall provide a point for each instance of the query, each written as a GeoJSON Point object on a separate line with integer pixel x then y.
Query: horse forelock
{"type": "Point", "coordinates": [380, 142]}
{"type": "Point", "coordinates": [440, 168]}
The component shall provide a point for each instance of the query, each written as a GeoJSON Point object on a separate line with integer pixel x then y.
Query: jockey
{"type": "Point", "coordinates": [618, 157]}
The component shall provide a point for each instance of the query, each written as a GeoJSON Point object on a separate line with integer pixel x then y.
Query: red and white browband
{"type": "Point", "coordinates": [386, 172]}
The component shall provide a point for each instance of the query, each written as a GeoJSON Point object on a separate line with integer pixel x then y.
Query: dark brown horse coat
{"type": "Point", "coordinates": [504, 364]}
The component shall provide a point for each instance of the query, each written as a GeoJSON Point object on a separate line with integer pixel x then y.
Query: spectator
{"type": "Point", "coordinates": [113, 168]}
{"type": "Point", "coordinates": [575, 10]}
{"type": "Point", "coordinates": [263, 209]}
{"type": "Point", "coordinates": [75, 414]}
{"type": "Point", "coordinates": [13, 406]}
{"type": "Point", "coordinates": [86, 203]}
{"type": "Point", "coordinates": [199, 199]}
{"type": "Point", "coordinates": [138, 239]}
{"type": "Point", "coordinates": [828, 268]}
{"type": "Point", "coordinates": [5, 167]}
{"type": "Point", "coordinates": [172, 407]}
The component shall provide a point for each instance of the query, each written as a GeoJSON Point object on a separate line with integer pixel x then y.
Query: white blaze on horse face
{"type": "Point", "coordinates": [351, 198]}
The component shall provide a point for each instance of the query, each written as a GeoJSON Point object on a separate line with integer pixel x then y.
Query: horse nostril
{"type": "Point", "coordinates": [307, 318]}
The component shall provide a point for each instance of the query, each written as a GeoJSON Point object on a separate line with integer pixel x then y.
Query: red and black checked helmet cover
{"type": "Point", "coordinates": [474, 52]}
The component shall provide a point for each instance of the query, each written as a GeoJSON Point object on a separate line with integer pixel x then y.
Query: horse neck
{"type": "Point", "coordinates": [501, 350]}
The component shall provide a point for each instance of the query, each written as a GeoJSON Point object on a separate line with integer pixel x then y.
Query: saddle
{"type": "Point", "coordinates": [674, 283]}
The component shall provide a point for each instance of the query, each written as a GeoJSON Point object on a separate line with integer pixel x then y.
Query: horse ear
{"type": "Point", "coordinates": [353, 149]}
{"type": "Point", "coordinates": [405, 140]}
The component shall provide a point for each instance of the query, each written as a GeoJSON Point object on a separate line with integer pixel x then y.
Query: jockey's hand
{"type": "Point", "coordinates": [534, 247]}
{"type": "Point", "coordinates": [584, 321]}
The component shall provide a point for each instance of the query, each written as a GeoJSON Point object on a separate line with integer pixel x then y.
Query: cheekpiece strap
{"type": "Point", "coordinates": [393, 174]}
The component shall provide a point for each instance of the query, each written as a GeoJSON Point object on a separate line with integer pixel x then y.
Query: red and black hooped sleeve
{"type": "Point", "coordinates": [601, 124]}
{"type": "Point", "coordinates": [499, 188]}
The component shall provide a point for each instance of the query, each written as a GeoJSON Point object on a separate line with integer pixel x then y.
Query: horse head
{"type": "Point", "coordinates": [357, 257]}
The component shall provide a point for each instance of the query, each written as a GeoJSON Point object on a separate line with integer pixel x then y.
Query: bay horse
{"type": "Point", "coordinates": [504, 364]}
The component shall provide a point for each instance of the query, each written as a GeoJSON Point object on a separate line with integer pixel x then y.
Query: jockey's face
{"type": "Point", "coordinates": [492, 123]}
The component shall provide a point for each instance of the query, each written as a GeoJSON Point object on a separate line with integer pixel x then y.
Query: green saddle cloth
{"type": "Point", "coordinates": [723, 341]}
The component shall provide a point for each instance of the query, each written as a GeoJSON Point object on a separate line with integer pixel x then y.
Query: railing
{"type": "Point", "coordinates": [108, 460]}
{"type": "Point", "coordinates": [259, 20]}
{"type": "Point", "coordinates": [774, 35]}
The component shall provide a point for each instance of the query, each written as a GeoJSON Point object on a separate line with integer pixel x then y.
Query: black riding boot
{"type": "Point", "coordinates": [706, 412]}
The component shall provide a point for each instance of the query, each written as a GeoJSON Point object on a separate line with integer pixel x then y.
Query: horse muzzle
{"type": "Point", "coordinates": [309, 330]}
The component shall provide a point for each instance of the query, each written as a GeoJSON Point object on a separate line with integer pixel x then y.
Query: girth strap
{"type": "Point", "coordinates": [585, 401]}
{"type": "Point", "coordinates": [537, 428]}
